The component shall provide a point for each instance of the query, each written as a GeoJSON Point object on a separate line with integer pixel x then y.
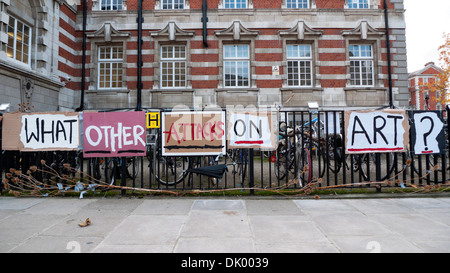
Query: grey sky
{"type": "Point", "coordinates": [426, 21]}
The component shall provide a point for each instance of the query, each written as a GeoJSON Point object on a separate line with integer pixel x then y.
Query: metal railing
{"type": "Point", "coordinates": [310, 150]}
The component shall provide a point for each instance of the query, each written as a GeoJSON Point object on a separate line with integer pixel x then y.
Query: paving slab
{"type": "Point", "coordinates": [220, 225]}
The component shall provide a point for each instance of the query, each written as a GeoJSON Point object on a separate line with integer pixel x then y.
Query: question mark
{"type": "Point", "coordinates": [429, 132]}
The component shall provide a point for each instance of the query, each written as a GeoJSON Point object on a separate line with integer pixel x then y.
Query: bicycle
{"type": "Point", "coordinates": [111, 167]}
{"type": "Point", "coordinates": [292, 155]}
{"type": "Point", "coordinates": [171, 170]}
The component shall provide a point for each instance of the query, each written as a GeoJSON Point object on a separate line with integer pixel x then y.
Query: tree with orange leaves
{"type": "Point", "coordinates": [441, 84]}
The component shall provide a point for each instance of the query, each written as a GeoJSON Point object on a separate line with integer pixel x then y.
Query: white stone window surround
{"type": "Point", "coordinates": [234, 35]}
{"type": "Point", "coordinates": [365, 34]}
{"type": "Point", "coordinates": [172, 34]}
{"type": "Point", "coordinates": [107, 35]}
{"type": "Point", "coordinates": [301, 33]}
{"type": "Point", "coordinates": [19, 16]}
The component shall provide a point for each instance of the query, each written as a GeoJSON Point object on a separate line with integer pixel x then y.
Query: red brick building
{"type": "Point", "coordinates": [245, 52]}
{"type": "Point", "coordinates": [420, 96]}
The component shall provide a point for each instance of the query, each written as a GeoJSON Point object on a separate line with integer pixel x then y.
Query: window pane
{"type": "Point", "coordinates": [166, 52]}
{"type": "Point", "coordinates": [235, 4]}
{"type": "Point", "coordinates": [111, 5]}
{"type": "Point", "coordinates": [291, 51]}
{"type": "Point", "coordinates": [354, 51]}
{"type": "Point", "coordinates": [292, 4]}
{"type": "Point", "coordinates": [304, 51]}
{"type": "Point", "coordinates": [178, 4]}
{"type": "Point", "coordinates": [242, 73]}
{"type": "Point", "coordinates": [241, 4]}
{"type": "Point", "coordinates": [298, 51]}
{"type": "Point", "coordinates": [229, 51]}
{"type": "Point", "coordinates": [358, 4]}
{"type": "Point", "coordinates": [305, 73]}
{"type": "Point", "coordinates": [242, 51]}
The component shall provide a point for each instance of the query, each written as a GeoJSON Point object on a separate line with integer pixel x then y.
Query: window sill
{"type": "Point", "coordinates": [120, 90]}
{"type": "Point", "coordinates": [364, 88]}
{"type": "Point", "coordinates": [115, 13]}
{"type": "Point", "coordinates": [301, 89]}
{"type": "Point", "coordinates": [171, 12]}
{"type": "Point", "coordinates": [235, 11]}
{"type": "Point", "coordinates": [237, 90]}
{"type": "Point", "coordinates": [172, 90]}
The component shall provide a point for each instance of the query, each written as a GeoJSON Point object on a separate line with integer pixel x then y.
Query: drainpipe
{"type": "Point", "coordinates": [205, 20]}
{"type": "Point", "coordinates": [140, 20]}
{"type": "Point", "coordinates": [388, 44]}
{"type": "Point", "coordinates": [83, 59]}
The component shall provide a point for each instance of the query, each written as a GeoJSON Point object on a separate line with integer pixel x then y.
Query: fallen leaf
{"type": "Point", "coordinates": [85, 223]}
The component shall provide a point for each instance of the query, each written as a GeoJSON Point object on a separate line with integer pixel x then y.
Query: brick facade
{"type": "Point", "coordinates": [418, 96]}
{"type": "Point", "coordinates": [267, 27]}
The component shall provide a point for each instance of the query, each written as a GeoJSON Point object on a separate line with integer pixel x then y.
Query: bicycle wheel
{"type": "Point", "coordinates": [367, 166]}
{"type": "Point", "coordinates": [429, 167]}
{"type": "Point", "coordinates": [242, 166]}
{"type": "Point", "coordinates": [132, 169]}
{"type": "Point", "coordinates": [283, 162]}
{"type": "Point", "coordinates": [111, 170]}
{"type": "Point", "coordinates": [95, 166]}
{"type": "Point", "coordinates": [318, 160]}
{"type": "Point", "coordinates": [304, 167]}
{"type": "Point", "coordinates": [171, 170]}
{"type": "Point", "coordinates": [334, 154]}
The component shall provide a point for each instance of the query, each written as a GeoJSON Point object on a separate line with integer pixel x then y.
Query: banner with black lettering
{"type": "Point", "coordinates": [427, 132]}
{"type": "Point", "coordinates": [40, 131]}
{"type": "Point", "coordinates": [376, 131]}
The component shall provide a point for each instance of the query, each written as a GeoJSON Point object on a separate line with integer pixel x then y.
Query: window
{"type": "Point", "coordinates": [361, 65]}
{"type": "Point", "coordinates": [300, 4]}
{"type": "Point", "coordinates": [235, 4]}
{"type": "Point", "coordinates": [236, 65]}
{"type": "Point", "coordinates": [110, 61]}
{"type": "Point", "coordinates": [111, 4]}
{"type": "Point", "coordinates": [172, 4]}
{"type": "Point", "coordinates": [19, 41]}
{"type": "Point", "coordinates": [173, 66]}
{"type": "Point", "coordinates": [358, 4]}
{"type": "Point", "coordinates": [299, 62]}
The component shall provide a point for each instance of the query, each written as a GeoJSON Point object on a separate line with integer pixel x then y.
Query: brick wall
{"type": "Point", "coordinates": [330, 54]}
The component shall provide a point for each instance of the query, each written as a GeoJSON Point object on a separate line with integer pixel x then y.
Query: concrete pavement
{"type": "Point", "coordinates": [216, 225]}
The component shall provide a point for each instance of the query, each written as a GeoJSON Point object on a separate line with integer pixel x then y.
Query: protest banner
{"type": "Point", "coordinates": [193, 133]}
{"type": "Point", "coordinates": [376, 131]}
{"type": "Point", "coordinates": [51, 131]}
{"type": "Point", "coordinates": [114, 134]}
{"type": "Point", "coordinates": [251, 130]}
{"type": "Point", "coordinates": [427, 132]}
